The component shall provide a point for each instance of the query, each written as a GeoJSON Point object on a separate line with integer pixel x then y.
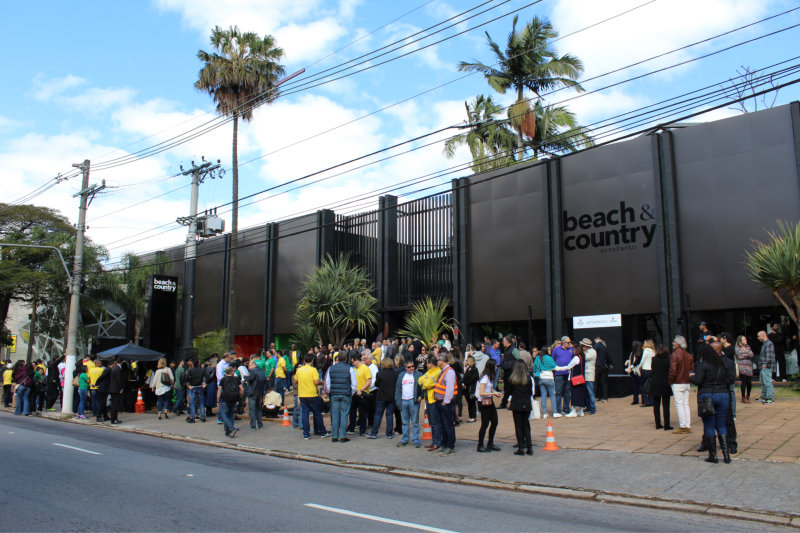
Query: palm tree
{"type": "Point", "coordinates": [557, 130]}
{"type": "Point", "coordinates": [427, 320]}
{"type": "Point", "coordinates": [239, 76]}
{"type": "Point", "coordinates": [490, 142]}
{"type": "Point", "coordinates": [775, 264]}
{"type": "Point", "coordinates": [528, 62]}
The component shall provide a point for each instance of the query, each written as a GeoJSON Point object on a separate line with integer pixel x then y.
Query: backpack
{"type": "Point", "coordinates": [289, 366]}
{"type": "Point", "coordinates": [230, 389]}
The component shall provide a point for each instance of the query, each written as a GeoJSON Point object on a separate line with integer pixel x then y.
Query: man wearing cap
{"type": "Point", "coordinates": [681, 364]}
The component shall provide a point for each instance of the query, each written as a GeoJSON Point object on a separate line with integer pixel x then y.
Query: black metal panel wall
{"type": "Point", "coordinates": [425, 249]}
{"type": "Point", "coordinates": [358, 236]}
{"type": "Point", "coordinates": [249, 281]}
{"type": "Point", "coordinates": [209, 270]}
{"type": "Point", "coordinates": [735, 178]}
{"type": "Point", "coordinates": [506, 246]}
{"type": "Point", "coordinates": [609, 222]}
{"type": "Point", "coordinates": [296, 259]}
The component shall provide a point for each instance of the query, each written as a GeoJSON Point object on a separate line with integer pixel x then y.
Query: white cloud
{"type": "Point", "coordinates": [7, 123]}
{"type": "Point", "coordinates": [45, 89]}
{"type": "Point", "coordinates": [94, 99]}
{"type": "Point", "coordinates": [297, 44]}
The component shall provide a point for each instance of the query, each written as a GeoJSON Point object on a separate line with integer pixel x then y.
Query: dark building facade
{"type": "Point", "coordinates": [654, 228]}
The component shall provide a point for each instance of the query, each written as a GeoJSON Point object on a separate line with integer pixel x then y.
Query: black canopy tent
{"type": "Point", "coordinates": [131, 352]}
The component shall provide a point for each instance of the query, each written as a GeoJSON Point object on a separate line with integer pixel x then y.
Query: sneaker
{"type": "Point", "coordinates": [544, 415]}
{"type": "Point", "coordinates": [580, 413]}
{"type": "Point", "coordinates": [371, 436]}
{"type": "Point", "coordinates": [219, 421]}
{"type": "Point", "coordinates": [389, 436]}
{"type": "Point", "coordinates": [189, 420]}
{"type": "Point", "coordinates": [402, 444]}
{"type": "Point", "coordinates": [344, 440]}
{"type": "Point", "coordinates": [351, 432]}
{"type": "Point", "coordinates": [557, 415]}
{"type": "Point", "coordinates": [325, 435]}
{"type": "Point", "coordinates": [306, 438]}
{"type": "Point", "coordinates": [769, 402]}
{"type": "Point", "coordinates": [233, 433]}
{"type": "Point", "coordinates": [253, 429]}
{"type": "Point", "coordinates": [417, 445]}
{"type": "Point", "coordinates": [571, 414]}
{"type": "Point", "coordinates": [334, 439]}
{"type": "Point", "coordinates": [447, 452]}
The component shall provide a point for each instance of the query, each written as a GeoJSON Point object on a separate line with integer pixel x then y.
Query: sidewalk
{"type": "Point", "coordinates": [615, 452]}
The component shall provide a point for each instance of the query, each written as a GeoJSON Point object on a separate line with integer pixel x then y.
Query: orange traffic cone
{"type": "Point", "coordinates": [427, 434]}
{"type": "Point", "coordinates": [139, 403]}
{"type": "Point", "coordinates": [286, 421]}
{"type": "Point", "coordinates": [550, 441]}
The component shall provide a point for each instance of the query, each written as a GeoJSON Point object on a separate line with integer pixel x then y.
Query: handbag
{"type": "Point", "coordinates": [76, 381]}
{"type": "Point", "coordinates": [487, 401]}
{"type": "Point", "coordinates": [580, 379]}
{"type": "Point", "coordinates": [536, 412]}
{"type": "Point", "coordinates": [705, 408]}
{"type": "Point", "coordinates": [166, 379]}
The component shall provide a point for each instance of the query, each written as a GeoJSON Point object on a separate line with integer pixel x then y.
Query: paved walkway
{"type": "Point", "coordinates": [617, 451]}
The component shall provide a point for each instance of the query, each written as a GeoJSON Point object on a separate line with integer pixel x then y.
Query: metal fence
{"type": "Point", "coordinates": [358, 235]}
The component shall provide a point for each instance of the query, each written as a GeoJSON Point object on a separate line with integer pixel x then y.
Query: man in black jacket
{"type": "Point", "coordinates": [602, 365]}
{"type": "Point", "coordinates": [103, 386]}
{"type": "Point", "coordinates": [257, 384]}
{"type": "Point", "coordinates": [196, 383]}
{"type": "Point", "coordinates": [115, 386]}
{"type": "Point", "coordinates": [509, 358]}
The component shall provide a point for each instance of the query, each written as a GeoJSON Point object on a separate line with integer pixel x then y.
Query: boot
{"type": "Point", "coordinates": [723, 446]}
{"type": "Point", "coordinates": [481, 449]}
{"type": "Point", "coordinates": [492, 447]}
{"type": "Point", "coordinates": [748, 398]}
{"type": "Point", "coordinates": [711, 445]}
{"type": "Point", "coordinates": [703, 445]}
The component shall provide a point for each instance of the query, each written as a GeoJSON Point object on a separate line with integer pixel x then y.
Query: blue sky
{"type": "Point", "coordinates": [98, 80]}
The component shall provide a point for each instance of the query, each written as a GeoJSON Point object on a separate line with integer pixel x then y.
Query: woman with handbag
{"type": "Point", "coordinates": [83, 390]}
{"type": "Point", "coordinates": [470, 381]}
{"type": "Point", "coordinates": [520, 404]}
{"type": "Point", "coordinates": [713, 375]}
{"type": "Point", "coordinates": [486, 395]}
{"type": "Point", "coordinates": [645, 368]}
{"type": "Point", "coordinates": [161, 383]}
{"type": "Point", "coordinates": [578, 380]}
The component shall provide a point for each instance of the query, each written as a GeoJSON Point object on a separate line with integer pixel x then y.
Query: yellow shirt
{"type": "Point", "coordinates": [280, 370]}
{"type": "Point", "coordinates": [362, 375]}
{"type": "Point", "coordinates": [94, 373]}
{"type": "Point", "coordinates": [376, 356]}
{"type": "Point", "coordinates": [306, 388]}
{"type": "Point", "coordinates": [88, 364]}
{"type": "Point", "coordinates": [294, 359]}
{"type": "Point", "coordinates": [7, 375]}
{"type": "Point", "coordinates": [428, 380]}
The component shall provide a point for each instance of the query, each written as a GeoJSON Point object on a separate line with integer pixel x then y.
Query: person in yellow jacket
{"type": "Point", "coordinates": [7, 375]}
{"type": "Point", "coordinates": [427, 381]}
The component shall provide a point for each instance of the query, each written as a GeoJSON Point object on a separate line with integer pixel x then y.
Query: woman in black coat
{"type": "Point", "coordinates": [521, 384]}
{"type": "Point", "coordinates": [659, 387]}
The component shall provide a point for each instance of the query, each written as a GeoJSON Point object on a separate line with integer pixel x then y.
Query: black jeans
{"type": "Point", "coordinates": [102, 410]}
{"type": "Point", "coordinates": [601, 384]}
{"type": "Point", "coordinates": [488, 416]}
{"type": "Point", "coordinates": [506, 389]}
{"type": "Point", "coordinates": [522, 426]}
{"type": "Point", "coordinates": [646, 398]}
{"type": "Point", "coordinates": [661, 401]}
{"type": "Point", "coordinates": [747, 385]}
{"type": "Point", "coordinates": [471, 407]}
{"type": "Point", "coordinates": [358, 414]}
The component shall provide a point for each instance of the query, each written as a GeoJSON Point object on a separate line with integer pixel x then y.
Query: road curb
{"type": "Point", "coordinates": [716, 510]}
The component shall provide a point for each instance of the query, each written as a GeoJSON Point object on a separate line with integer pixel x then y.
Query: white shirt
{"type": "Point", "coordinates": [408, 386]}
{"type": "Point", "coordinates": [487, 388]}
{"type": "Point", "coordinates": [373, 369]}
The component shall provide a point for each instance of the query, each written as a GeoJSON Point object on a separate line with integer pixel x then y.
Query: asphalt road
{"type": "Point", "coordinates": [63, 477]}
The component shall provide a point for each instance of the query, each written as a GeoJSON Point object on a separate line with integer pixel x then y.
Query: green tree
{"type": "Point", "coordinates": [530, 62]}
{"type": "Point", "coordinates": [210, 343]}
{"type": "Point", "coordinates": [336, 300]}
{"type": "Point", "coordinates": [557, 131]}
{"type": "Point", "coordinates": [427, 320]}
{"type": "Point", "coordinates": [775, 264]}
{"type": "Point", "coordinates": [490, 142]}
{"type": "Point", "coordinates": [130, 287]}
{"type": "Point", "coordinates": [239, 76]}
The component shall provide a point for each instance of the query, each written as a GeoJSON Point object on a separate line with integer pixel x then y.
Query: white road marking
{"type": "Point", "coordinates": [378, 518]}
{"type": "Point", "coordinates": [77, 449]}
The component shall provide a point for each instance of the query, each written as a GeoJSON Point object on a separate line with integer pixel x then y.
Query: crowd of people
{"type": "Point", "coordinates": [362, 385]}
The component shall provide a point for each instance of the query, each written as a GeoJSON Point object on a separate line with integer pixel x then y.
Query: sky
{"type": "Point", "coordinates": [102, 80]}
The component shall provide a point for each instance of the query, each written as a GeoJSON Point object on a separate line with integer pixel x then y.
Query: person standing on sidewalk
{"type": "Point", "coordinates": [427, 382]}
{"type": "Point", "coordinates": [195, 385]}
{"type": "Point", "coordinates": [486, 395]}
{"type": "Point", "coordinates": [543, 368]}
{"type": "Point", "coordinates": [340, 384]}
{"type": "Point", "coordinates": [115, 386]}
{"type": "Point", "coordinates": [228, 394]}
{"type": "Point", "coordinates": [103, 382]}
{"type": "Point", "coordinates": [358, 407]}
{"type": "Point", "coordinates": [470, 381]}
{"type": "Point", "coordinates": [779, 347]}
{"type": "Point", "coordinates": [307, 381]}
{"type": "Point", "coordinates": [726, 341]}
{"type": "Point", "coordinates": [385, 382]}
{"type": "Point", "coordinates": [681, 364]}
{"type": "Point", "coordinates": [713, 375]}
{"type": "Point", "coordinates": [744, 360]}
{"type": "Point", "coordinates": [257, 385]}
{"type": "Point", "coordinates": [590, 360]}
{"type": "Point", "coordinates": [562, 355]}
{"type": "Point", "coordinates": [510, 356]}
{"type": "Point", "coordinates": [632, 369]}
{"type": "Point", "coordinates": [180, 388]}
{"type": "Point", "coordinates": [766, 363]}
{"type": "Point", "coordinates": [444, 391]}
{"type": "Point", "coordinates": [407, 394]}
{"type": "Point", "coordinates": [660, 388]}
{"type": "Point", "coordinates": [521, 384]}
{"type": "Point", "coordinates": [645, 369]}
{"type": "Point", "coordinates": [601, 368]}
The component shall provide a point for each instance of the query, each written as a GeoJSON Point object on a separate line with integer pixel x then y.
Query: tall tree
{"type": "Point", "coordinates": [239, 76]}
{"type": "Point", "coordinates": [775, 264]}
{"type": "Point", "coordinates": [530, 62]}
{"type": "Point", "coordinates": [557, 130]}
{"type": "Point", "coordinates": [491, 142]}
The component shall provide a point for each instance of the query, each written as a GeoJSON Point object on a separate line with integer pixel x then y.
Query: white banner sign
{"type": "Point", "coordinates": [597, 321]}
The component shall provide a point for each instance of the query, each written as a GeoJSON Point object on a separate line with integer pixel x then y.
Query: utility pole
{"type": "Point", "coordinates": [87, 194]}
{"type": "Point", "coordinates": [198, 174]}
